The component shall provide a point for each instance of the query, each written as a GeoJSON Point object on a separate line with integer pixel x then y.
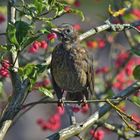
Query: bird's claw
{"type": "Point", "coordinates": [60, 103]}
{"type": "Point", "coordinates": [83, 102]}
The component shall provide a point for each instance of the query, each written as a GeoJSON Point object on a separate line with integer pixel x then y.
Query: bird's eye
{"type": "Point", "coordinates": [67, 31]}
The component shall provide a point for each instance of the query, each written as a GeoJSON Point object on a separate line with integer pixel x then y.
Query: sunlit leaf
{"type": "Point", "coordinates": [46, 92]}
{"type": "Point", "coordinates": [78, 12]}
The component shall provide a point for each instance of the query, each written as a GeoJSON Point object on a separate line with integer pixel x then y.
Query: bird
{"type": "Point", "coordinates": [71, 66]}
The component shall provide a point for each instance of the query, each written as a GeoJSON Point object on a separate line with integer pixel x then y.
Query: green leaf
{"type": "Point", "coordinates": [22, 29]}
{"type": "Point", "coordinates": [46, 92]}
{"type": "Point", "coordinates": [51, 2]}
{"type": "Point", "coordinates": [136, 72]}
{"type": "Point", "coordinates": [136, 100]}
{"type": "Point", "coordinates": [135, 51]}
{"type": "Point", "coordinates": [38, 5]}
{"type": "Point", "coordinates": [45, 31]}
{"type": "Point", "coordinates": [32, 71]}
{"type": "Point", "coordinates": [78, 12]}
{"type": "Point", "coordinates": [137, 37]}
{"type": "Point", "coordinates": [3, 48]}
{"type": "Point", "coordinates": [11, 34]}
{"type": "Point", "coordinates": [3, 51]}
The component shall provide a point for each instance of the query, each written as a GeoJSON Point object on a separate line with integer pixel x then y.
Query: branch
{"type": "Point", "coordinates": [79, 127]}
{"type": "Point", "coordinates": [67, 102]}
{"type": "Point", "coordinates": [20, 88]}
{"type": "Point", "coordinates": [2, 34]}
{"type": "Point", "coordinates": [108, 26]}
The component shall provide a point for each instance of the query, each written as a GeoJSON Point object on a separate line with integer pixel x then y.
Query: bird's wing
{"type": "Point", "coordinates": [90, 75]}
{"type": "Point", "coordinates": [56, 88]}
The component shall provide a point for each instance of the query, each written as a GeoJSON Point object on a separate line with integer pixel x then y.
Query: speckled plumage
{"type": "Point", "coordinates": [71, 67]}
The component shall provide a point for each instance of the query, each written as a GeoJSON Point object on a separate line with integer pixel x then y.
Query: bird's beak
{"type": "Point", "coordinates": [57, 30]}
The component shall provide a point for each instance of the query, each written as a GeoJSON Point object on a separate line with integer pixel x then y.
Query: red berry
{"type": "Point", "coordinates": [46, 82]}
{"type": "Point", "coordinates": [54, 119]}
{"type": "Point", "coordinates": [98, 135]}
{"type": "Point", "coordinates": [105, 69]}
{"type": "Point", "coordinates": [4, 72]}
{"type": "Point", "coordinates": [44, 44]}
{"type": "Point", "coordinates": [101, 43]}
{"type": "Point", "coordinates": [85, 108]}
{"type": "Point", "coordinates": [75, 109]}
{"type": "Point", "coordinates": [54, 127]}
{"type": "Point", "coordinates": [36, 45]}
{"type": "Point", "coordinates": [91, 44]}
{"type": "Point", "coordinates": [67, 9]}
{"type": "Point", "coordinates": [121, 77]}
{"type": "Point", "coordinates": [77, 3]}
{"type": "Point", "coordinates": [135, 117]}
{"type": "Point", "coordinates": [137, 94]}
{"type": "Point", "coordinates": [5, 64]}
{"type": "Point", "coordinates": [121, 58]}
{"type": "Point", "coordinates": [136, 12]}
{"type": "Point", "coordinates": [118, 85]}
{"type": "Point", "coordinates": [32, 50]}
{"type": "Point", "coordinates": [40, 121]}
{"type": "Point", "coordinates": [91, 131]}
{"type": "Point", "coordinates": [51, 36]}
{"type": "Point", "coordinates": [77, 27]}
{"type": "Point", "coordinates": [60, 110]}
{"type": "Point", "coordinates": [138, 27]}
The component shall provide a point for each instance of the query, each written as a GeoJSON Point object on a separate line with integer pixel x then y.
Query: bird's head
{"type": "Point", "coordinates": [67, 33]}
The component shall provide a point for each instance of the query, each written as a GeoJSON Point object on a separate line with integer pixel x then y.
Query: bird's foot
{"type": "Point", "coordinates": [84, 106]}
{"type": "Point", "coordinates": [61, 103]}
{"type": "Point", "coordinates": [83, 102]}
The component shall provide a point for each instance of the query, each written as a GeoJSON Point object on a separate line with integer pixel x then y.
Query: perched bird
{"type": "Point", "coordinates": [71, 66]}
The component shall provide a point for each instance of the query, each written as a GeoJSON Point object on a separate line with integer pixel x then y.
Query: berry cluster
{"type": "Point", "coordinates": [124, 78]}
{"type": "Point", "coordinates": [54, 122]}
{"type": "Point", "coordinates": [4, 69]}
{"type": "Point", "coordinates": [99, 43]}
{"type": "Point", "coordinates": [36, 45]}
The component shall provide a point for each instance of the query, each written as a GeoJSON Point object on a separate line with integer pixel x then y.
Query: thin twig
{"type": "Point", "coordinates": [2, 34]}
{"type": "Point", "coordinates": [68, 101]}
{"type": "Point", "coordinates": [125, 121]}
{"type": "Point", "coordinates": [122, 112]}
